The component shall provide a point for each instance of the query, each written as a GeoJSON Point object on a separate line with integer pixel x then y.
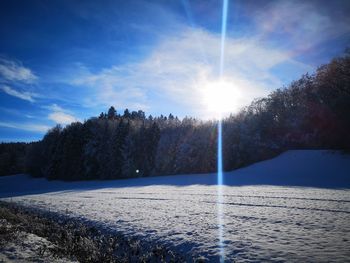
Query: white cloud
{"type": "Point", "coordinates": [179, 68]}
{"type": "Point", "coordinates": [111, 88]}
{"type": "Point", "coordinates": [14, 71]}
{"type": "Point", "coordinates": [302, 24]}
{"type": "Point", "coordinates": [266, 56]}
{"type": "Point", "coordinates": [59, 115]}
{"type": "Point", "coordinates": [53, 107]}
{"type": "Point", "coordinates": [25, 127]}
{"type": "Point", "coordinates": [62, 118]}
{"type": "Point", "coordinates": [24, 95]}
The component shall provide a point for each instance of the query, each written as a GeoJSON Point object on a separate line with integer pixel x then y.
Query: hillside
{"type": "Point", "coordinates": [180, 212]}
{"type": "Point", "coordinates": [311, 113]}
{"type": "Point", "coordinates": [314, 168]}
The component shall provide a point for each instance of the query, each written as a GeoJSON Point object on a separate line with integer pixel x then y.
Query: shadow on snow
{"type": "Point", "coordinates": [302, 168]}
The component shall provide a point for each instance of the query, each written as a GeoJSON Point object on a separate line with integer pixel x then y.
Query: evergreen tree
{"type": "Point", "coordinates": [127, 114]}
{"type": "Point", "coordinates": [111, 113]}
{"type": "Point", "coordinates": [313, 112]}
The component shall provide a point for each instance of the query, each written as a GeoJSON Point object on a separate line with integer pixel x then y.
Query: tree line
{"type": "Point", "coordinates": [311, 113]}
{"type": "Point", "coordinates": [12, 158]}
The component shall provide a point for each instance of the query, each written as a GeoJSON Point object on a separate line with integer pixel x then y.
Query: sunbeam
{"type": "Point", "coordinates": [220, 178]}
{"type": "Point", "coordinates": [223, 35]}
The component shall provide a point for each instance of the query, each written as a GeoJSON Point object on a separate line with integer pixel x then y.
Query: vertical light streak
{"type": "Point", "coordinates": [220, 194]}
{"type": "Point", "coordinates": [223, 35]}
{"type": "Point", "coordinates": [220, 179]}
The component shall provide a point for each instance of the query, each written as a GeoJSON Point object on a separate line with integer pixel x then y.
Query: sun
{"type": "Point", "coordinates": [220, 97]}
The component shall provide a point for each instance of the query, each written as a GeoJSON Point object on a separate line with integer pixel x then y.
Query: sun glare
{"type": "Point", "coordinates": [219, 97]}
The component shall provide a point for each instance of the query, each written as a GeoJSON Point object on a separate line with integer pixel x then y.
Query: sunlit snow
{"type": "Point", "coordinates": [261, 222]}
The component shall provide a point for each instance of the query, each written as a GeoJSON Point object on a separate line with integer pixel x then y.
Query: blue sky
{"type": "Point", "coordinates": [68, 60]}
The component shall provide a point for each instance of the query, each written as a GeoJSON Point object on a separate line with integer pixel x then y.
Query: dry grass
{"type": "Point", "coordinates": [76, 240]}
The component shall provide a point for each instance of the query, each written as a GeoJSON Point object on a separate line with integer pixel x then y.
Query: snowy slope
{"type": "Point", "coordinates": [260, 221]}
{"type": "Point", "coordinates": [298, 168]}
{"type": "Point", "coordinates": [315, 168]}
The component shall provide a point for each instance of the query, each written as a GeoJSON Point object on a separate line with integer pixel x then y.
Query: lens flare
{"type": "Point", "coordinates": [220, 179]}
{"type": "Point", "coordinates": [220, 97]}
{"type": "Point", "coordinates": [223, 35]}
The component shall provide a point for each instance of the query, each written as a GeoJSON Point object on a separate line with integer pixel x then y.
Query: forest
{"type": "Point", "coordinates": [313, 112]}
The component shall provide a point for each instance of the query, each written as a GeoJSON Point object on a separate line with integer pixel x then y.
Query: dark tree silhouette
{"type": "Point", "coordinates": [312, 112]}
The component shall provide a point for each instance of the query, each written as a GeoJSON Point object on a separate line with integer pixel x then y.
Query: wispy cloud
{"type": "Point", "coordinates": [112, 86]}
{"type": "Point", "coordinates": [303, 24]}
{"type": "Point", "coordinates": [14, 71]}
{"type": "Point", "coordinates": [61, 118]}
{"type": "Point", "coordinates": [60, 115]}
{"type": "Point", "coordinates": [24, 95]}
{"type": "Point", "coordinates": [16, 79]}
{"type": "Point", "coordinates": [180, 66]}
{"type": "Point", "coordinates": [183, 62]}
{"type": "Point", "coordinates": [25, 126]}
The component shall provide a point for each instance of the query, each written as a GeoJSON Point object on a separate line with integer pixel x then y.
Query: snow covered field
{"type": "Point", "coordinates": [261, 221]}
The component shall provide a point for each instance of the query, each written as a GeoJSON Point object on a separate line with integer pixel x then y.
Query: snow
{"type": "Point", "coordinates": [270, 210]}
